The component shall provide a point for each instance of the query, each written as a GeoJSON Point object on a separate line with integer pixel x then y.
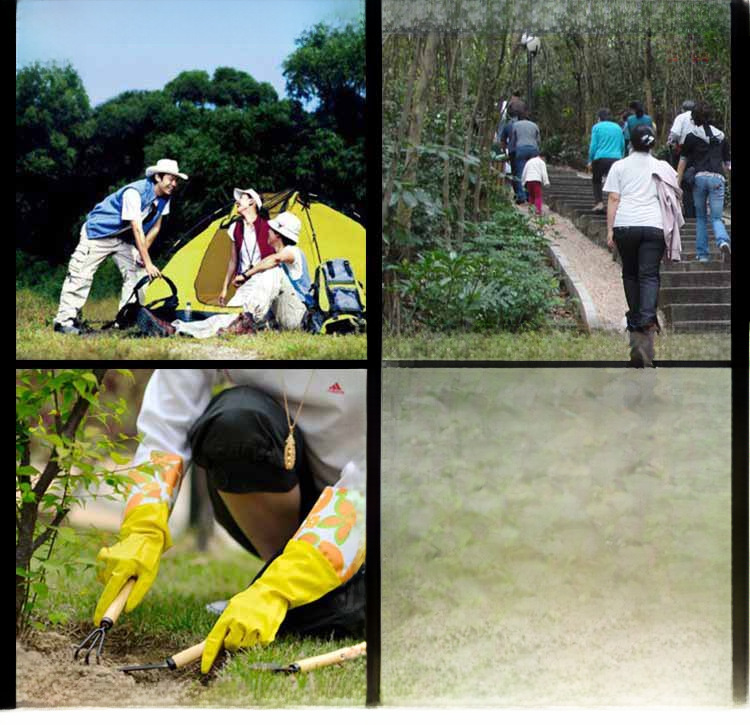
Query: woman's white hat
{"type": "Point", "coordinates": [287, 224]}
{"type": "Point", "coordinates": [165, 166]}
{"type": "Point", "coordinates": [251, 192]}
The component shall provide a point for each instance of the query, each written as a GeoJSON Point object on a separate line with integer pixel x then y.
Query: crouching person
{"type": "Point", "coordinates": [284, 453]}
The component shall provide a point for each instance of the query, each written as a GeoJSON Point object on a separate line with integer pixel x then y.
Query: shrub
{"type": "Point", "coordinates": [498, 281]}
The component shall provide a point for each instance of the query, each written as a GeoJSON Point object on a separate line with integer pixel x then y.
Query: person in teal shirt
{"type": "Point", "coordinates": [637, 118]}
{"type": "Point", "coordinates": [607, 146]}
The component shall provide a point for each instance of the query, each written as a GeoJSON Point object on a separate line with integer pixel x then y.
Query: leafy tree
{"type": "Point", "coordinates": [60, 416]}
{"type": "Point", "coordinates": [53, 120]}
{"type": "Point", "coordinates": [329, 65]}
{"type": "Point", "coordinates": [232, 87]}
{"type": "Point", "coordinates": [191, 86]}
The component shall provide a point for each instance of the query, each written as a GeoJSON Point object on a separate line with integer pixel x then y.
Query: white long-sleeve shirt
{"type": "Point", "coordinates": [332, 422]}
{"type": "Point", "coordinates": [535, 170]}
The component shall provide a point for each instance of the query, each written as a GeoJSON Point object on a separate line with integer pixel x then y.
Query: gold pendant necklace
{"type": "Point", "coordinates": [290, 449]}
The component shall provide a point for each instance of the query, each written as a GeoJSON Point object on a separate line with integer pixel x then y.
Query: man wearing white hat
{"type": "Point", "coordinates": [123, 226]}
{"type": "Point", "coordinates": [279, 282]}
{"type": "Point", "coordinates": [249, 237]}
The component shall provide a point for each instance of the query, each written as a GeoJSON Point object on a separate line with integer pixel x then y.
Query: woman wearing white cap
{"type": "Point", "coordinates": [249, 236]}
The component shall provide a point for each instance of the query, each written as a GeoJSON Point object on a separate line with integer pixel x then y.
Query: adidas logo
{"type": "Point", "coordinates": [336, 388]}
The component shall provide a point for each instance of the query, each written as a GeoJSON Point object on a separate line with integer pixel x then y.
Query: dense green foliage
{"type": "Point", "coordinates": [225, 130]}
{"type": "Point", "coordinates": [498, 281]}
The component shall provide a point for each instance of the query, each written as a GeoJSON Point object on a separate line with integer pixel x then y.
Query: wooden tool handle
{"type": "Point", "coordinates": [118, 604]}
{"type": "Point", "coordinates": [187, 655]}
{"type": "Point", "coordinates": [332, 658]}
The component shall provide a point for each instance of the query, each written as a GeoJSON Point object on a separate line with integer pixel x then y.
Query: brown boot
{"type": "Point", "coordinates": [242, 325]}
{"type": "Point", "coordinates": [650, 332]}
{"type": "Point", "coordinates": [639, 350]}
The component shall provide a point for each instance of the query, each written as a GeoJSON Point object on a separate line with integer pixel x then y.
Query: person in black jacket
{"type": "Point", "coordinates": [707, 150]}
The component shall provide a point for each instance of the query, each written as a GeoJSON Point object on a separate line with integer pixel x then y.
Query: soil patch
{"type": "Point", "coordinates": [47, 676]}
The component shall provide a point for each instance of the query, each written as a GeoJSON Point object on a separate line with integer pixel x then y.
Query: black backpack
{"type": "Point", "coordinates": [337, 304]}
{"type": "Point", "coordinates": [165, 308]}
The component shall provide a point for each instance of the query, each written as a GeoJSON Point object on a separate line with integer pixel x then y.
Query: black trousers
{"type": "Point", "coordinates": [641, 250]}
{"type": "Point", "coordinates": [239, 441]}
{"type": "Point", "coordinates": [599, 169]}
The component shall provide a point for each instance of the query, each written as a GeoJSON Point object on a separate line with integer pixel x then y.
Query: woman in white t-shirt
{"type": "Point", "coordinates": [635, 226]}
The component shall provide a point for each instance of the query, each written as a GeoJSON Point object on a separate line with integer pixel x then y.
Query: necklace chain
{"type": "Point", "coordinates": [290, 452]}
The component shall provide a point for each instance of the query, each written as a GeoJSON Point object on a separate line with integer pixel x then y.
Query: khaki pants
{"type": "Point", "coordinates": [87, 258]}
{"type": "Point", "coordinates": [271, 290]}
{"type": "Point", "coordinates": [267, 290]}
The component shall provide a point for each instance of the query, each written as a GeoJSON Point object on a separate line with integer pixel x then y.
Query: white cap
{"type": "Point", "coordinates": [251, 192]}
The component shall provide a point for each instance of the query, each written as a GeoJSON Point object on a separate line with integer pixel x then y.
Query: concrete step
{"type": "Point", "coordinates": [716, 311]}
{"type": "Point", "coordinates": [694, 295]}
{"type": "Point", "coordinates": [702, 326]}
{"type": "Point", "coordinates": [684, 278]}
{"type": "Point", "coordinates": [690, 265]}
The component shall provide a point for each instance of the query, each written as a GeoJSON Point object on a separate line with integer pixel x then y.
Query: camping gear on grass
{"type": "Point", "coordinates": [147, 317]}
{"type": "Point", "coordinates": [199, 264]}
{"type": "Point", "coordinates": [95, 640]}
{"type": "Point", "coordinates": [337, 304]}
{"type": "Point", "coordinates": [195, 652]}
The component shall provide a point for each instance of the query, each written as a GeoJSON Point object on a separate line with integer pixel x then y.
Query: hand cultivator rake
{"type": "Point", "coordinates": [95, 641]}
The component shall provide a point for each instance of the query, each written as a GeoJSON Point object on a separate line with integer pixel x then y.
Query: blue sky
{"type": "Point", "coordinates": [120, 45]}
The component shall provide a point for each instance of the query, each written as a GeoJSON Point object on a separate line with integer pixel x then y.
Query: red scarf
{"type": "Point", "coordinates": [261, 238]}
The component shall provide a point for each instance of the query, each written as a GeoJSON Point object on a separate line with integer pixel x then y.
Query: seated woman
{"type": "Point", "coordinates": [279, 283]}
{"type": "Point", "coordinates": [249, 235]}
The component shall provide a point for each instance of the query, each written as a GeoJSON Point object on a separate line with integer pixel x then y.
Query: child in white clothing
{"type": "Point", "coordinates": [534, 175]}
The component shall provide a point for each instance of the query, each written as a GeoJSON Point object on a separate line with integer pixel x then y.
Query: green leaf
{"type": "Point", "coordinates": [26, 471]}
{"type": "Point", "coordinates": [118, 459]}
{"type": "Point", "coordinates": [40, 589]}
{"type": "Point", "coordinates": [67, 534]}
{"type": "Point", "coordinates": [20, 571]}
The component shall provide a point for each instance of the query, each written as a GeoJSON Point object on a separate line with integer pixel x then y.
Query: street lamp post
{"type": "Point", "coordinates": [531, 43]}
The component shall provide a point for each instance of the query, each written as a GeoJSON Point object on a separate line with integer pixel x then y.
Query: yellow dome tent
{"type": "Point", "coordinates": [198, 267]}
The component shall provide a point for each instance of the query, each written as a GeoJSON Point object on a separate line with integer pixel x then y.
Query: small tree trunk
{"type": "Point", "coordinates": [427, 67]}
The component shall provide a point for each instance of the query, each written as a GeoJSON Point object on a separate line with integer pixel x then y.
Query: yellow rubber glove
{"type": "Point", "coordinates": [300, 575]}
{"type": "Point", "coordinates": [144, 535]}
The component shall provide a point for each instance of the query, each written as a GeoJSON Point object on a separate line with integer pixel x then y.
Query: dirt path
{"type": "Point", "coordinates": [594, 266]}
{"type": "Point", "coordinates": [47, 676]}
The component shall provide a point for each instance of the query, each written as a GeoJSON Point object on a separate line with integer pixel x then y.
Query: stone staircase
{"type": "Point", "coordinates": [694, 296]}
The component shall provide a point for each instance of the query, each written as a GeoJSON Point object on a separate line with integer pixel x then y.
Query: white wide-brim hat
{"type": "Point", "coordinates": [165, 166]}
{"type": "Point", "coordinates": [254, 194]}
{"type": "Point", "coordinates": [287, 224]}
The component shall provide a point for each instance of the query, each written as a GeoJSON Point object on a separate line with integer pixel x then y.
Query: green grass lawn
{"type": "Point", "coordinates": [173, 617]}
{"type": "Point", "coordinates": [556, 537]}
{"type": "Point", "coordinates": [553, 345]}
{"type": "Point", "coordinates": [35, 340]}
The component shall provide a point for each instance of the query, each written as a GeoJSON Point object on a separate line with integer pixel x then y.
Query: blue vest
{"type": "Point", "coordinates": [105, 219]}
{"type": "Point", "coordinates": [302, 284]}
